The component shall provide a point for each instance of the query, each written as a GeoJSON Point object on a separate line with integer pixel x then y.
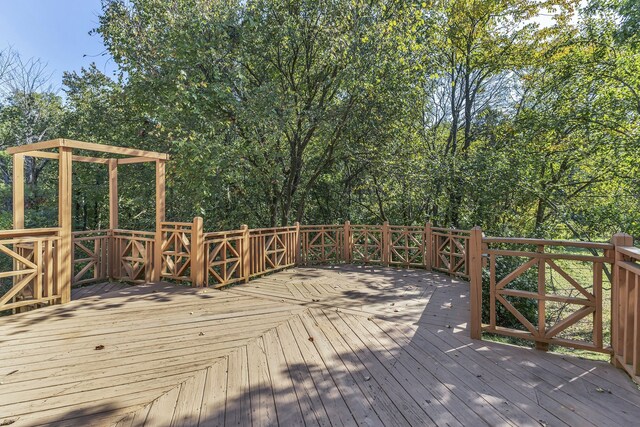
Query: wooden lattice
{"type": "Point", "coordinates": [367, 243]}
{"type": "Point", "coordinates": [450, 251]}
{"type": "Point", "coordinates": [90, 256]}
{"type": "Point", "coordinates": [407, 246]}
{"type": "Point", "coordinates": [321, 244]}
{"type": "Point", "coordinates": [224, 257]}
{"type": "Point", "coordinates": [579, 301]}
{"type": "Point", "coordinates": [176, 250]}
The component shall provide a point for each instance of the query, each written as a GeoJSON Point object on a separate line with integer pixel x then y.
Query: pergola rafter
{"type": "Point", "coordinates": [64, 153]}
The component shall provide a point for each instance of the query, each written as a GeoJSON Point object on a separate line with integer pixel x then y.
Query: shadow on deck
{"type": "Point", "coordinates": [307, 346]}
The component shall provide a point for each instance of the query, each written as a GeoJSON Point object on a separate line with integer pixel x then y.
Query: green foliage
{"type": "Point", "coordinates": [456, 112]}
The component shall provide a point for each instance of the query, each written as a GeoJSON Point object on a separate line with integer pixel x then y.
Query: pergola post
{"type": "Point", "coordinates": [65, 249]}
{"type": "Point", "coordinates": [113, 216]}
{"type": "Point", "coordinates": [160, 218]}
{"type": "Point", "coordinates": [18, 191]}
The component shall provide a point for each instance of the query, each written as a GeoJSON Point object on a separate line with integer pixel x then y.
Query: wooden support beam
{"type": "Point", "coordinates": [246, 260]}
{"type": "Point", "coordinates": [84, 159]}
{"type": "Point", "coordinates": [89, 146]}
{"type": "Point", "coordinates": [475, 279]}
{"type": "Point", "coordinates": [160, 217]}
{"type": "Point", "coordinates": [18, 191]}
{"type": "Point", "coordinates": [113, 194]}
{"type": "Point", "coordinates": [102, 148]}
{"type": "Point", "coordinates": [43, 145]}
{"type": "Point", "coordinates": [197, 252]}
{"type": "Point", "coordinates": [131, 160]}
{"type": "Point", "coordinates": [64, 222]}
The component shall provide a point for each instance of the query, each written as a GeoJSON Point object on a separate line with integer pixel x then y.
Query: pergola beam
{"type": "Point", "coordinates": [89, 146]}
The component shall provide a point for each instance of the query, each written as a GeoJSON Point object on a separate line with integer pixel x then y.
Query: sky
{"type": "Point", "coordinates": [57, 32]}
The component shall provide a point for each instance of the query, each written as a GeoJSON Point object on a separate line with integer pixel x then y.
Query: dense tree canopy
{"type": "Point", "coordinates": [521, 116]}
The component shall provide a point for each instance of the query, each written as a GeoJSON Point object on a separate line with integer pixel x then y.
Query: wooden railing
{"type": "Point", "coordinates": [272, 249]}
{"type": "Point", "coordinates": [450, 251]}
{"type": "Point", "coordinates": [219, 259]}
{"type": "Point", "coordinates": [29, 260]}
{"type": "Point", "coordinates": [90, 256]}
{"type": "Point", "coordinates": [323, 244]}
{"type": "Point", "coordinates": [546, 288]}
{"type": "Point", "coordinates": [226, 257]}
{"type": "Point", "coordinates": [626, 306]}
{"type": "Point", "coordinates": [132, 255]}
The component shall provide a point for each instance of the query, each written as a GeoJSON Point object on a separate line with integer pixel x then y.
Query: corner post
{"type": "Point", "coordinates": [475, 279]}
{"type": "Point", "coordinates": [427, 246]}
{"type": "Point", "coordinates": [64, 222]}
{"type": "Point", "coordinates": [386, 244]}
{"type": "Point", "coordinates": [113, 216]}
{"type": "Point", "coordinates": [618, 286]}
{"type": "Point", "coordinates": [197, 252]}
{"type": "Point", "coordinates": [346, 247]}
{"type": "Point", "coordinates": [18, 191]}
{"type": "Point", "coordinates": [160, 218]}
{"type": "Point", "coordinates": [298, 241]}
{"type": "Point", "coordinates": [246, 254]}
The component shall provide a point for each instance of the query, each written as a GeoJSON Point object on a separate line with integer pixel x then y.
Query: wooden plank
{"type": "Point", "coordinates": [160, 217]}
{"type": "Point", "coordinates": [285, 392]}
{"type": "Point", "coordinates": [43, 145]}
{"type": "Point", "coordinates": [308, 395]}
{"type": "Point", "coordinates": [132, 160]}
{"type": "Point", "coordinates": [18, 191]}
{"type": "Point", "coordinates": [189, 402]}
{"type": "Point", "coordinates": [238, 406]}
{"type": "Point", "coordinates": [212, 412]}
{"type": "Point", "coordinates": [263, 409]}
{"type": "Point", "coordinates": [65, 247]}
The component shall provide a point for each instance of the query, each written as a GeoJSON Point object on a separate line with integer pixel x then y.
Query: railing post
{"type": "Point", "coordinates": [475, 279]}
{"type": "Point", "coordinates": [617, 281]}
{"type": "Point", "coordinates": [386, 244]}
{"type": "Point", "coordinates": [427, 246]}
{"type": "Point", "coordinates": [197, 252]}
{"type": "Point", "coordinates": [347, 242]}
{"type": "Point", "coordinates": [246, 257]}
{"type": "Point", "coordinates": [298, 240]}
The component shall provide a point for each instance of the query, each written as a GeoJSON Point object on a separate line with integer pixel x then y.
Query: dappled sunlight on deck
{"type": "Point", "coordinates": [340, 345]}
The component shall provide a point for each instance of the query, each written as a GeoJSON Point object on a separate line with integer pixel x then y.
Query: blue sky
{"type": "Point", "coordinates": [55, 31]}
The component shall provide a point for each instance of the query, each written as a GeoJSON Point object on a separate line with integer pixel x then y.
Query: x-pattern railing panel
{"type": "Point", "coordinates": [90, 256]}
{"type": "Point", "coordinates": [176, 250]}
{"type": "Point", "coordinates": [407, 246]}
{"type": "Point", "coordinates": [572, 302]}
{"type": "Point", "coordinates": [28, 277]}
{"type": "Point", "coordinates": [224, 258]}
{"type": "Point", "coordinates": [367, 243]}
{"type": "Point", "coordinates": [450, 251]}
{"type": "Point", "coordinates": [321, 245]}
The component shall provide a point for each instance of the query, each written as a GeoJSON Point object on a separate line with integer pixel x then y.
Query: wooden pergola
{"type": "Point", "coordinates": [63, 151]}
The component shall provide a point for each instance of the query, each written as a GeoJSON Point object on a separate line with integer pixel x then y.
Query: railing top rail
{"type": "Point", "coordinates": [322, 226]}
{"type": "Point", "coordinates": [547, 242]}
{"type": "Point", "coordinates": [82, 232]}
{"type": "Point", "coordinates": [178, 223]}
{"type": "Point", "coordinates": [630, 251]}
{"type": "Point", "coordinates": [450, 230]}
{"type": "Point", "coordinates": [29, 232]}
{"type": "Point", "coordinates": [123, 231]}
{"type": "Point", "coordinates": [222, 234]}
{"type": "Point", "coordinates": [271, 230]}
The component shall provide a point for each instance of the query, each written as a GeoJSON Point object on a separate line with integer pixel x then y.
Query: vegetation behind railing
{"type": "Point", "coordinates": [218, 259]}
{"type": "Point", "coordinates": [534, 289]}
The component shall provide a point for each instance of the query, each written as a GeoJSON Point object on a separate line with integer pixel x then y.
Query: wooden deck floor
{"type": "Point", "coordinates": [308, 346]}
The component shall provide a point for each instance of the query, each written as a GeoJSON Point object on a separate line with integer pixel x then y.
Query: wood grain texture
{"type": "Point", "coordinates": [307, 346]}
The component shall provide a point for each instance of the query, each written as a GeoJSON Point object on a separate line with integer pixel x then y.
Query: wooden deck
{"type": "Point", "coordinates": [307, 346]}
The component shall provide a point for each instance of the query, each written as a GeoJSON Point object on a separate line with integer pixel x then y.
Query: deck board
{"type": "Point", "coordinates": [323, 346]}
